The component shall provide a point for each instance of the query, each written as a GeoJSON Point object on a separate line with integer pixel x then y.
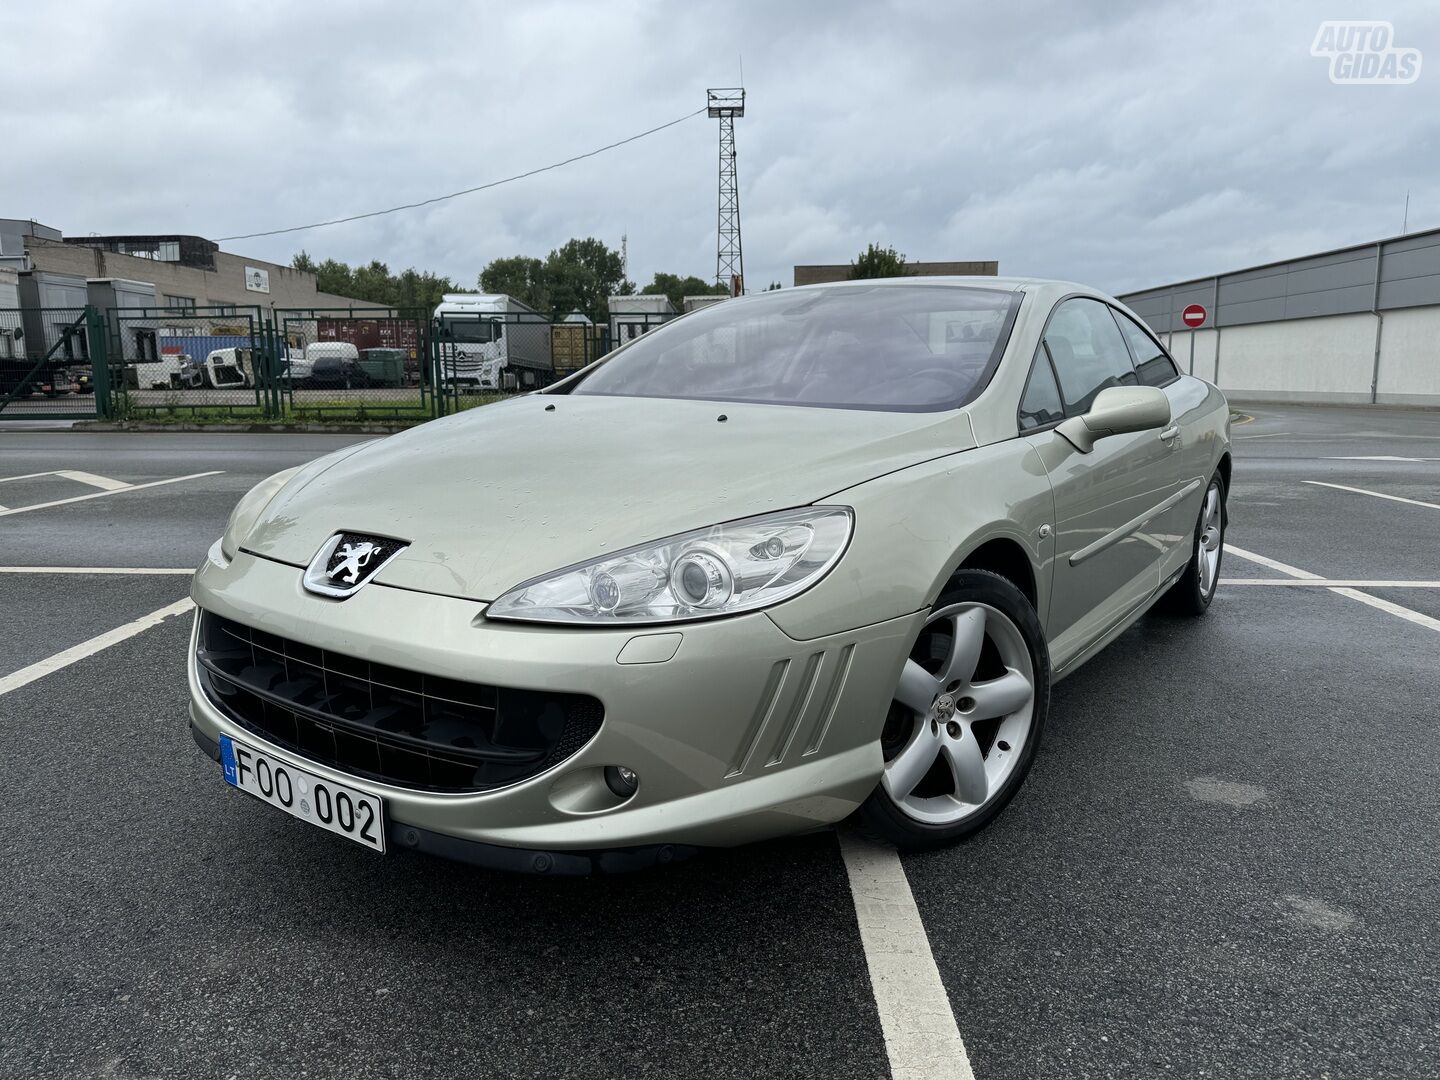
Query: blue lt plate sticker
{"type": "Point", "coordinates": [227, 761]}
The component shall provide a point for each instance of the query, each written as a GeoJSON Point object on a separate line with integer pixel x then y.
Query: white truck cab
{"type": "Point", "coordinates": [491, 341]}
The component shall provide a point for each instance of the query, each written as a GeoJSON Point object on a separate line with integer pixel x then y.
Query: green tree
{"type": "Point", "coordinates": [773, 286]}
{"type": "Point", "coordinates": [580, 275]}
{"type": "Point", "coordinates": [677, 288]}
{"type": "Point", "coordinates": [520, 276]}
{"type": "Point", "coordinates": [878, 262]}
{"type": "Point", "coordinates": [423, 291]}
{"type": "Point", "coordinates": [373, 283]}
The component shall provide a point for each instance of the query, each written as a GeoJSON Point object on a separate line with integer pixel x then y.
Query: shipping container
{"type": "Point", "coordinates": [372, 333]}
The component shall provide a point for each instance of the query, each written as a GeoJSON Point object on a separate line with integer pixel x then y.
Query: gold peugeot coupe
{"type": "Point", "coordinates": [798, 556]}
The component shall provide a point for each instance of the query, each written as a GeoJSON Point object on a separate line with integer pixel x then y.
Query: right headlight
{"type": "Point", "coordinates": [726, 569]}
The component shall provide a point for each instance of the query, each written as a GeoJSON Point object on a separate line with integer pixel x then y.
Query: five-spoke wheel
{"type": "Point", "coordinates": [1195, 588]}
{"type": "Point", "coordinates": [966, 714]}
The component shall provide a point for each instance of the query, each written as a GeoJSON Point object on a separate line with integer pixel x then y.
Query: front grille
{"type": "Point", "coordinates": [385, 723]}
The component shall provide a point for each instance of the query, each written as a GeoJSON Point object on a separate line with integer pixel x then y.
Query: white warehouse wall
{"type": "Point", "coordinates": [1203, 357]}
{"type": "Point", "coordinates": [1328, 359]}
{"type": "Point", "coordinates": [1325, 359]}
{"type": "Point", "coordinates": [1410, 357]}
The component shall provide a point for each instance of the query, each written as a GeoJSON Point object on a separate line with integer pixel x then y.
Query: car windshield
{"type": "Point", "coordinates": [887, 347]}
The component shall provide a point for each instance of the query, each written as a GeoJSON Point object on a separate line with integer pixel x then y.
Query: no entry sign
{"type": "Point", "coordinates": [1193, 315]}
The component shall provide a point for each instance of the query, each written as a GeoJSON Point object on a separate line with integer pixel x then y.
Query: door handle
{"type": "Point", "coordinates": [1170, 433]}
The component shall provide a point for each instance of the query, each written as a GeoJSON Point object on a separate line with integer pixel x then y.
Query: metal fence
{"type": "Point", "coordinates": [236, 363]}
{"type": "Point", "coordinates": [482, 353]}
{"type": "Point", "coordinates": [202, 363]}
{"type": "Point", "coordinates": [355, 362]}
{"type": "Point", "coordinates": [52, 363]}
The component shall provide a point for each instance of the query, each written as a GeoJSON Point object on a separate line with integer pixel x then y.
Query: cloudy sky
{"type": "Point", "coordinates": [1122, 145]}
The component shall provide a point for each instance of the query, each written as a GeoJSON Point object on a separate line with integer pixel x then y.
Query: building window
{"type": "Point", "coordinates": [180, 303]}
{"type": "Point", "coordinates": [160, 250]}
{"type": "Point", "coordinates": [224, 309]}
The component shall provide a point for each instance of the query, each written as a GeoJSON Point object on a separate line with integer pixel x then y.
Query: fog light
{"type": "Point", "coordinates": [621, 781]}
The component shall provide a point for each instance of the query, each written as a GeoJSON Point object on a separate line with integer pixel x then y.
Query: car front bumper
{"type": "Point", "coordinates": [743, 733]}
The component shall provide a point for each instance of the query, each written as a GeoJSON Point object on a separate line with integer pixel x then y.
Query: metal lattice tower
{"type": "Point", "coordinates": [726, 105]}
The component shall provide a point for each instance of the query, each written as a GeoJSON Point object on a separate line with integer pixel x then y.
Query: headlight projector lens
{"type": "Point", "coordinates": [702, 580]}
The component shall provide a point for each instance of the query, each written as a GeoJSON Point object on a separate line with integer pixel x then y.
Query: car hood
{"type": "Point", "coordinates": [504, 493]}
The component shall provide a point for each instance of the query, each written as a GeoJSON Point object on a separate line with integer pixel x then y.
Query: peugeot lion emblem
{"type": "Point", "coordinates": [347, 561]}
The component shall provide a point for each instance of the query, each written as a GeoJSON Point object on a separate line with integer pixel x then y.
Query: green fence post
{"type": "Point", "coordinates": [98, 339]}
{"type": "Point", "coordinates": [432, 356]}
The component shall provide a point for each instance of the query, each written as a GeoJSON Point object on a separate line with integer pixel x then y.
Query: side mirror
{"type": "Point", "coordinates": [1117, 410]}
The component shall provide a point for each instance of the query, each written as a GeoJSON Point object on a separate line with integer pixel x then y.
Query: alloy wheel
{"type": "Point", "coordinates": [961, 716]}
{"type": "Point", "coordinates": [1212, 537]}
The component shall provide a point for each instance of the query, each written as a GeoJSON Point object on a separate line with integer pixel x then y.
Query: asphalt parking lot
{"type": "Point", "coordinates": [1224, 863]}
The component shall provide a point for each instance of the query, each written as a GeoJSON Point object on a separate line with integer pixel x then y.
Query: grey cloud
{"type": "Point", "coordinates": [1118, 144]}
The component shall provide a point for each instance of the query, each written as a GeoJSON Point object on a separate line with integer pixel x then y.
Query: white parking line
{"type": "Point", "coordinates": [1374, 601]}
{"type": "Point", "coordinates": [1269, 435]}
{"type": "Point", "coordinates": [90, 570]}
{"type": "Point", "coordinates": [103, 494]}
{"type": "Point", "coordinates": [1393, 609]}
{"type": "Point", "coordinates": [1284, 568]}
{"type": "Point", "coordinates": [1376, 494]}
{"type": "Point", "coordinates": [1327, 583]}
{"type": "Point", "coordinates": [1381, 457]}
{"type": "Point", "coordinates": [104, 483]}
{"type": "Point", "coordinates": [75, 653]}
{"type": "Point", "coordinates": [921, 1038]}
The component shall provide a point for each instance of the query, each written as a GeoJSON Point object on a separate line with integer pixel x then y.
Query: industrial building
{"type": "Point", "coordinates": [1358, 324]}
{"type": "Point", "coordinates": [185, 271]}
{"type": "Point", "coordinates": [820, 275]}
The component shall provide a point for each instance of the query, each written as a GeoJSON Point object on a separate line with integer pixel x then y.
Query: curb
{"type": "Point", "coordinates": [243, 429]}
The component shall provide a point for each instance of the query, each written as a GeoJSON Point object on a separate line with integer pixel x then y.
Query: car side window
{"type": "Point", "coordinates": [1041, 404]}
{"type": "Point", "coordinates": [1152, 363]}
{"type": "Point", "coordinates": [1088, 352]}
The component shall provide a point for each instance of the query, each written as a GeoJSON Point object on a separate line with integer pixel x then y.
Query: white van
{"type": "Point", "coordinates": [333, 364]}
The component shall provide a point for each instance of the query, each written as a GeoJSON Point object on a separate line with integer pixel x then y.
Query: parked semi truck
{"type": "Point", "coordinates": [490, 341]}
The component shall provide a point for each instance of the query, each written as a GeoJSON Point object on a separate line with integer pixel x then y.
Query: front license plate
{"type": "Point", "coordinates": [336, 807]}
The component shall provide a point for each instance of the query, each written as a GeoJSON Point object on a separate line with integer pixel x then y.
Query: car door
{"type": "Point", "coordinates": [1189, 457]}
{"type": "Point", "coordinates": [1107, 559]}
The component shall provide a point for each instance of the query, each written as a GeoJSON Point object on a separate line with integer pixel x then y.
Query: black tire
{"type": "Point", "coordinates": [879, 817]}
{"type": "Point", "coordinates": [1188, 596]}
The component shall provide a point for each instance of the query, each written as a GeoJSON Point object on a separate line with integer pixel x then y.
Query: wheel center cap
{"type": "Point", "coordinates": [944, 707]}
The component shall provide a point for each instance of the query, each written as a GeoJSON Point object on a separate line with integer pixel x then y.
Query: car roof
{"type": "Point", "coordinates": [974, 281]}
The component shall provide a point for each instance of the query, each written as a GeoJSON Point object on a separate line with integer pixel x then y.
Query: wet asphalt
{"type": "Point", "coordinates": [1224, 863]}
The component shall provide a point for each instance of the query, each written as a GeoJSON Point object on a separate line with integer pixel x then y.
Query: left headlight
{"type": "Point", "coordinates": [739, 566]}
{"type": "Point", "coordinates": [248, 510]}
